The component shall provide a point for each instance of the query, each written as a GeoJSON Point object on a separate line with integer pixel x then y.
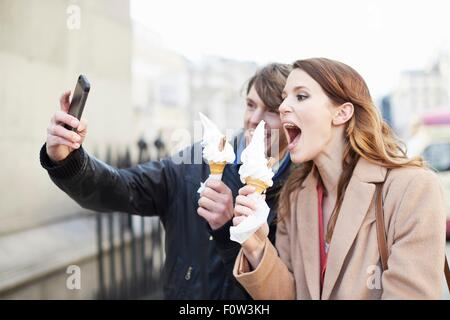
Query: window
{"type": "Point", "coordinates": [438, 156]}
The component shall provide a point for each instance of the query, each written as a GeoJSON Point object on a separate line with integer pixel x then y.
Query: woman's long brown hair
{"type": "Point", "coordinates": [366, 134]}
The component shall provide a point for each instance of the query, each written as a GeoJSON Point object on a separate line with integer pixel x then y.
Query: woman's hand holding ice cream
{"type": "Point", "coordinates": [256, 169]}
{"type": "Point", "coordinates": [245, 207]}
{"type": "Point", "coordinates": [256, 172]}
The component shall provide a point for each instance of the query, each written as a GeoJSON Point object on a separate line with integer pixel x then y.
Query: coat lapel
{"type": "Point", "coordinates": [356, 204]}
{"type": "Point", "coordinates": [308, 226]}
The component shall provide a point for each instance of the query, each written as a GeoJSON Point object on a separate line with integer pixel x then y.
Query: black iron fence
{"type": "Point", "coordinates": [130, 248]}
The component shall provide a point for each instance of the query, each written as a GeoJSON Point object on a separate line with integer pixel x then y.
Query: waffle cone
{"type": "Point", "coordinates": [217, 167]}
{"type": "Point", "coordinates": [259, 185]}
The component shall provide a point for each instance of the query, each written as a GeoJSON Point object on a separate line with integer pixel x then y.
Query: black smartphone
{"type": "Point", "coordinates": [79, 98]}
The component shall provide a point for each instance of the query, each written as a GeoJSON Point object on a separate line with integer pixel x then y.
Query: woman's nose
{"type": "Point", "coordinates": [284, 107]}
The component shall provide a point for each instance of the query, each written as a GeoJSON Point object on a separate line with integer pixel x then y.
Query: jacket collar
{"type": "Point", "coordinates": [365, 171]}
{"type": "Point", "coordinates": [357, 201]}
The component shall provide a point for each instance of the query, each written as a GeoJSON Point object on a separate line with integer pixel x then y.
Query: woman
{"type": "Point", "coordinates": [326, 236]}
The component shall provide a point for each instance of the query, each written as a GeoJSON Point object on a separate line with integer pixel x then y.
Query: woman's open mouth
{"type": "Point", "coordinates": [293, 134]}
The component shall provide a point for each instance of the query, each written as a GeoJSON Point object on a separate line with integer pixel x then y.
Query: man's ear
{"type": "Point", "coordinates": [343, 113]}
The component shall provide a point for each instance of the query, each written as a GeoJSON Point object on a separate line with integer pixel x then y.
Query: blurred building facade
{"type": "Point", "coordinates": [160, 87]}
{"type": "Point", "coordinates": [218, 90]}
{"type": "Point", "coordinates": [44, 46]}
{"type": "Point", "coordinates": [420, 91]}
{"type": "Point", "coordinates": [169, 91]}
{"type": "Point", "coordinates": [140, 89]}
{"type": "Point", "coordinates": [42, 57]}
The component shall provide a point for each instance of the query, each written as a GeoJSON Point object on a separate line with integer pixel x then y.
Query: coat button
{"type": "Point", "coordinates": [188, 274]}
{"type": "Point", "coordinates": [210, 238]}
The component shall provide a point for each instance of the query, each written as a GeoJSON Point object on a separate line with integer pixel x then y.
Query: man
{"type": "Point", "coordinates": [199, 252]}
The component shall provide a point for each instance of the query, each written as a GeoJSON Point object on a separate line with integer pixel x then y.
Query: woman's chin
{"type": "Point", "coordinates": [298, 157]}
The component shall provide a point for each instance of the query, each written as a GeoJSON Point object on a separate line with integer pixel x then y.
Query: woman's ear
{"type": "Point", "coordinates": [343, 114]}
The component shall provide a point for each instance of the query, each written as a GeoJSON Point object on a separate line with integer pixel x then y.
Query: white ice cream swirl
{"type": "Point", "coordinates": [211, 140]}
{"type": "Point", "coordinates": [254, 162]}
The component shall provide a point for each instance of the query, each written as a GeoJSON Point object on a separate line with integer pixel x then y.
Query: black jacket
{"type": "Point", "coordinates": [195, 267]}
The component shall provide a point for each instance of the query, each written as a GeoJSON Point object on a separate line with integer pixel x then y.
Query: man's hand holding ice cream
{"type": "Point", "coordinates": [216, 199]}
{"type": "Point", "coordinates": [251, 210]}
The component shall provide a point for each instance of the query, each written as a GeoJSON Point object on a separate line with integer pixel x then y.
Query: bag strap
{"type": "Point", "coordinates": [381, 232]}
{"type": "Point", "coordinates": [447, 273]}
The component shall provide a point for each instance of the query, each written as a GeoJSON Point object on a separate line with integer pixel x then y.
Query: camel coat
{"type": "Point", "coordinates": [415, 229]}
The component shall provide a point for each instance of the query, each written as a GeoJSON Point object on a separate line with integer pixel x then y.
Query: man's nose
{"type": "Point", "coordinates": [256, 117]}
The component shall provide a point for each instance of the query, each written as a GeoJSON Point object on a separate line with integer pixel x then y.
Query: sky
{"type": "Point", "coordinates": [379, 39]}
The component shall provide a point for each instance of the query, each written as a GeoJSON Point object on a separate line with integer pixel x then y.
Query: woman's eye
{"type": "Point", "coordinates": [250, 106]}
{"type": "Point", "coordinates": [301, 97]}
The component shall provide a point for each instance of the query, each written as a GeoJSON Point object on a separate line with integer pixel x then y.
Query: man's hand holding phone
{"type": "Point", "coordinates": [61, 141]}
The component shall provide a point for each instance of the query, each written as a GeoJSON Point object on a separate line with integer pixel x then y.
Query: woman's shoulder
{"type": "Point", "coordinates": [407, 175]}
{"type": "Point", "coordinates": [413, 200]}
{"type": "Point", "coordinates": [412, 182]}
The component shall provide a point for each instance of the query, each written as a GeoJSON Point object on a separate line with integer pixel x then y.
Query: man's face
{"type": "Point", "coordinates": [256, 111]}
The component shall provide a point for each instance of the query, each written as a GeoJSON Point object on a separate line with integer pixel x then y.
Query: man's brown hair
{"type": "Point", "coordinates": [269, 83]}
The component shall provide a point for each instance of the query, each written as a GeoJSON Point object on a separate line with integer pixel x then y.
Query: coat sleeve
{"type": "Point", "coordinates": [416, 259]}
{"type": "Point", "coordinates": [273, 278]}
{"type": "Point", "coordinates": [143, 189]}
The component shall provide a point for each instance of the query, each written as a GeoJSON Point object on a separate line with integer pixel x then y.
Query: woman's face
{"type": "Point", "coordinates": [307, 117]}
{"type": "Point", "coordinates": [256, 111]}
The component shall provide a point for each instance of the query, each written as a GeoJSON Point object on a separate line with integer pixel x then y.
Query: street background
{"type": "Point", "coordinates": [153, 65]}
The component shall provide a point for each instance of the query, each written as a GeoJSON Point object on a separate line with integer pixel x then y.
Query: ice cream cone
{"type": "Point", "coordinates": [217, 167]}
{"type": "Point", "coordinates": [259, 185]}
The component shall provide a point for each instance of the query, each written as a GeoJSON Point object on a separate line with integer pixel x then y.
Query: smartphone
{"type": "Point", "coordinates": [79, 99]}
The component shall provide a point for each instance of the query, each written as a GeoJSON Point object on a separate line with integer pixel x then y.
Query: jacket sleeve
{"type": "Point", "coordinates": [228, 251]}
{"type": "Point", "coordinates": [273, 278]}
{"type": "Point", "coordinates": [226, 248]}
{"type": "Point", "coordinates": [144, 189]}
{"type": "Point", "coordinates": [416, 259]}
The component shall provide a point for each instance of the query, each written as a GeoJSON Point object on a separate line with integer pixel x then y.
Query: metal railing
{"type": "Point", "coordinates": [130, 247]}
